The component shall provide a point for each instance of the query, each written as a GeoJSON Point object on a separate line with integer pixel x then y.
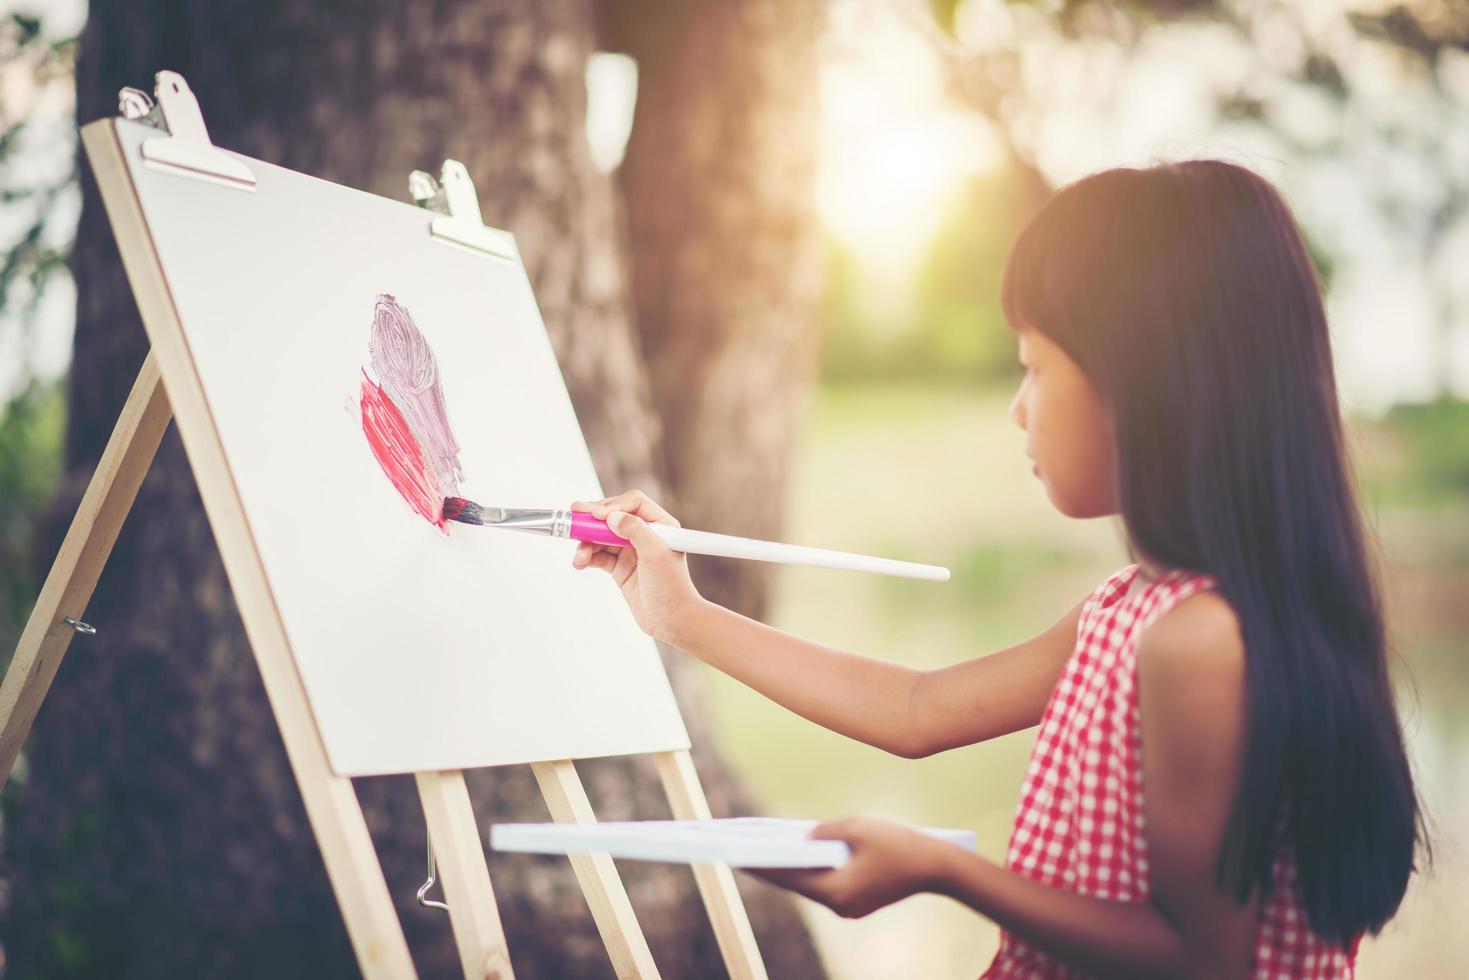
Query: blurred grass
{"type": "Point", "coordinates": [32, 426]}
{"type": "Point", "coordinates": [937, 473]}
{"type": "Point", "coordinates": [1422, 456]}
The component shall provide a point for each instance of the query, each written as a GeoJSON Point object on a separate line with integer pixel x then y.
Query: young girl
{"type": "Point", "coordinates": [1219, 785]}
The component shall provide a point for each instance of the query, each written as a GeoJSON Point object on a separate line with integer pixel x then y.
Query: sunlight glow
{"type": "Point", "coordinates": [893, 149]}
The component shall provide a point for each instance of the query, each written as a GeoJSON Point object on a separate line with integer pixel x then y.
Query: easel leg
{"type": "Point", "coordinates": [716, 882]}
{"type": "Point", "coordinates": [596, 874]}
{"type": "Point", "coordinates": [79, 563]}
{"type": "Point", "coordinates": [461, 862]}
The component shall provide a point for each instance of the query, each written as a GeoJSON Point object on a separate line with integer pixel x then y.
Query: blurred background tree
{"type": "Point", "coordinates": [726, 258]}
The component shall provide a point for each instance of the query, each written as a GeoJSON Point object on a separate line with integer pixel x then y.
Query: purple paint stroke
{"type": "Point", "coordinates": [408, 372]}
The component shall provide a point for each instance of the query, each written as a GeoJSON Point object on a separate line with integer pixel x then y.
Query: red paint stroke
{"type": "Point", "coordinates": [403, 413]}
{"type": "Point", "coordinates": [397, 452]}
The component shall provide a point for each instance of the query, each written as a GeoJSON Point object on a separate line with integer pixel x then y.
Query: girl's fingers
{"type": "Point", "coordinates": [606, 561]}
{"type": "Point", "coordinates": [843, 829]}
{"type": "Point", "coordinates": [633, 502]}
{"type": "Point", "coordinates": [597, 508]}
{"type": "Point", "coordinates": [624, 561]}
{"type": "Point", "coordinates": [811, 883]}
{"type": "Point", "coordinates": [615, 561]}
{"type": "Point", "coordinates": [641, 534]}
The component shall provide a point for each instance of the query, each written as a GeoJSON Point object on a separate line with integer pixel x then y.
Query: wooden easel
{"type": "Point", "coordinates": [167, 387]}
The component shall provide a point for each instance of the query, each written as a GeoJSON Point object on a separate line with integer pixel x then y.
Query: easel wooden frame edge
{"type": "Point", "coordinates": [167, 377]}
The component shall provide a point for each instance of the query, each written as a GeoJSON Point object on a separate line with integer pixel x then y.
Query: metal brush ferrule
{"type": "Point", "coordinates": [531, 521]}
{"type": "Point", "coordinates": [561, 524]}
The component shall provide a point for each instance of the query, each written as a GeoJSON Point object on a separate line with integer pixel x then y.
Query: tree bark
{"type": "Point", "coordinates": [719, 180]}
{"type": "Point", "coordinates": [157, 830]}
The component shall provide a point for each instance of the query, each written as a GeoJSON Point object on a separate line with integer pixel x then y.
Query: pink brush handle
{"type": "Point", "coordinates": [585, 527]}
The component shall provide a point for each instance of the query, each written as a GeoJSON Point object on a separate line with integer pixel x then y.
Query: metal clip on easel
{"type": "Point", "coordinates": [184, 148]}
{"type": "Point", "coordinates": [458, 221]}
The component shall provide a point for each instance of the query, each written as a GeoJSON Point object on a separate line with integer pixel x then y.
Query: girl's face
{"type": "Point", "coordinates": [1068, 429]}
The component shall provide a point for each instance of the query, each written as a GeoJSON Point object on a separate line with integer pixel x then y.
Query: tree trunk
{"type": "Point", "coordinates": [719, 181]}
{"type": "Point", "coordinates": [157, 830]}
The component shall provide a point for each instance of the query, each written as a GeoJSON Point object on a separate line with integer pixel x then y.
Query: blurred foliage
{"type": "Point", "coordinates": [952, 328]}
{"type": "Point", "coordinates": [1071, 14]}
{"type": "Point", "coordinates": [32, 419]}
{"type": "Point", "coordinates": [1383, 80]}
{"type": "Point", "coordinates": [1427, 28]}
{"type": "Point", "coordinates": [1424, 456]}
{"type": "Point", "coordinates": [32, 427]}
{"type": "Point", "coordinates": [31, 258]}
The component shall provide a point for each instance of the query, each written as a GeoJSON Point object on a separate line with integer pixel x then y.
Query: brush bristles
{"type": "Point", "coordinates": [463, 511]}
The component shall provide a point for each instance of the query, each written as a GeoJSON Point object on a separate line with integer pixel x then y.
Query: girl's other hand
{"type": "Point", "coordinates": [653, 578]}
{"type": "Point", "coordinates": [890, 861]}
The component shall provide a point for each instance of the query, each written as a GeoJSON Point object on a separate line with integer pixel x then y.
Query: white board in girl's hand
{"type": "Point", "coordinates": [740, 842]}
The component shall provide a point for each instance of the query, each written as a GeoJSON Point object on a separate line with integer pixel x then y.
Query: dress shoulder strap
{"type": "Point", "coordinates": [1167, 591]}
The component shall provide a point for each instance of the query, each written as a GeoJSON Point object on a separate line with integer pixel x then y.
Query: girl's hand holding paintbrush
{"type": "Point", "coordinates": [653, 535]}
{"type": "Point", "coordinates": [654, 579]}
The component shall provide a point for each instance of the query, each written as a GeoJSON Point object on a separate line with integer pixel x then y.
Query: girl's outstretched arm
{"type": "Point", "coordinates": [860, 697]}
{"type": "Point", "coordinates": [902, 710]}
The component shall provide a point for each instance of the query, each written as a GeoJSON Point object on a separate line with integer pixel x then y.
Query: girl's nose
{"type": "Point", "coordinates": [1017, 408]}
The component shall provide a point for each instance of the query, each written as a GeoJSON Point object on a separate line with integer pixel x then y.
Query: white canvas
{"type": "Point", "coordinates": [419, 650]}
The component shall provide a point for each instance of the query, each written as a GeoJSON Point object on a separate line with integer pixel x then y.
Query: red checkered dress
{"type": "Point", "coordinates": [1079, 825]}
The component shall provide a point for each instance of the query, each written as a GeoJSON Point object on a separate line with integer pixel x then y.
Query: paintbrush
{"type": "Point", "coordinates": [579, 526]}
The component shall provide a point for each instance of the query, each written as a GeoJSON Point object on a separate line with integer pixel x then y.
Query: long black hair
{"type": "Point", "coordinates": [1186, 294]}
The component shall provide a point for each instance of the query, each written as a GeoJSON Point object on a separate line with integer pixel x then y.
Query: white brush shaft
{"type": "Point", "coordinates": [728, 546]}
